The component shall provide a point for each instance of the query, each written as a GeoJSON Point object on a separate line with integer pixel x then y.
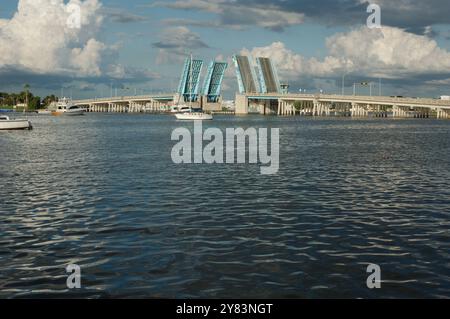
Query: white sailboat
{"type": "Point", "coordinates": [186, 113]}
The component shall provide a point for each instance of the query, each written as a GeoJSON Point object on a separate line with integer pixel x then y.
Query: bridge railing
{"type": "Point", "coordinates": [357, 98]}
{"type": "Point", "coordinates": [125, 98]}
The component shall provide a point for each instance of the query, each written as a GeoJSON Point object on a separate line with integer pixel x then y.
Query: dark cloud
{"type": "Point", "coordinates": [175, 43]}
{"type": "Point", "coordinates": [122, 16]}
{"type": "Point", "coordinates": [179, 37]}
{"type": "Point", "coordinates": [16, 77]}
{"type": "Point", "coordinates": [412, 15]}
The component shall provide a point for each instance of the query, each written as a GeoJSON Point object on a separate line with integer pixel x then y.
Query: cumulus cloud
{"type": "Point", "coordinates": [388, 52]}
{"type": "Point", "coordinates": [46, 44]}
{"type": "Point", "coordinates": [41, 37]}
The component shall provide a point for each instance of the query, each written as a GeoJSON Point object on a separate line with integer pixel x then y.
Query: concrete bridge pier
{"type": "Point", "coordinates": [359, 110]}
{"type": "Point", "coordinates": [285, 108]}
{"type": "Point", "coordinates": [379, 111]}
{"type": "Point", "coordinates": [321, 108]}
{"type": "Point", "coordinates": [342, 109]}
{"type": "Point", "coordinates": [400, 111]}
{"type": "Point", "coordinates": [443, 113]}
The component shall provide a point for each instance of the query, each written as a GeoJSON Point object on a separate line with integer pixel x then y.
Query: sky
{"type": "Point", "coordinates": [83, 48]}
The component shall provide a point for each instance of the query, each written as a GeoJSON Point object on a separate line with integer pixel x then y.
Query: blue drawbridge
{"type": "Point", "coordinates": [260, 79]}
{"type": "Point", "coordinates": [213, 81]}
{"type": "Point", "coordinates": [190, 80]}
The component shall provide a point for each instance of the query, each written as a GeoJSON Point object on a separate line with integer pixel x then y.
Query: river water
{"type": "Point", "coordinates": [102, 192]}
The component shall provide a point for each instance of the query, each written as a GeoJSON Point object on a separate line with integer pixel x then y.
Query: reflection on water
{"type": "Point", "coordinates": [101, 191]}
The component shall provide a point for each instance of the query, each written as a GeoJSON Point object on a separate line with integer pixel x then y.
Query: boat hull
{"type": "Point", "coordinates": [194, 117]}
{"type": "Point", "coordinates": [74, 113]}
{"type": "Point", "coordinates": [69, 113]}
{"type": "Point", "coordinates": [15, 125]}
{"type": "Point", "coordinates": [44, 112]}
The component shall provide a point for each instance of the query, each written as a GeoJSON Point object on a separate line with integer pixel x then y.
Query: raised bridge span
{"type": "Point", "coordinates": [341, 105]}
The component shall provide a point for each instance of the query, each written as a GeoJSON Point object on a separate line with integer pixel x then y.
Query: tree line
{"type": "Point", "coordinates": [9, 100]}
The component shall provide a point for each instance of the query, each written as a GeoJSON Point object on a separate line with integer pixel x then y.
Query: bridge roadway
{"type": "Point", "coordinates": [350, 105]}
{"type": "Point", "coordinates": [132, 104]}
{"type": "Point", "coordinates": [288, 104]}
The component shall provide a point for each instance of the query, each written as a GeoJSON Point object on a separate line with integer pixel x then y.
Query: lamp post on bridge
{"type": "Point", "coordinates": [369, 84]}
{"type": "Point", "coordinates": [343, 82]}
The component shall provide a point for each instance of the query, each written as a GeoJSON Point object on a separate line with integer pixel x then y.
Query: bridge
{"type": "Point", "coordinates": [341, 105]}
{"type": "Point", "coordinates": [209, 97]}
{"type": "Point", "coordinates": [260, 91]}
{"type": "Point", "coordinates": [130, 104]}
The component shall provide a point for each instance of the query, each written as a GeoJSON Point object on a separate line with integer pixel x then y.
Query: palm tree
{"type": "Point", "coordinates": [27, 88]}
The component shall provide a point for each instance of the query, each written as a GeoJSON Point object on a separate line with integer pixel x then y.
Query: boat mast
{"type": "Point", "coordinates": [190, 83]}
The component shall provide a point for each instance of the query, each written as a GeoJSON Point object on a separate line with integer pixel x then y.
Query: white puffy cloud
{"type": "Point", "coordinates": [388, 52]}
{"type": "Point", "coordinates": [47, 37]}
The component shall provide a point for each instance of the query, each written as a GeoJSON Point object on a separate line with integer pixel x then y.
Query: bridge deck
{"type": "Point", "coordinates": [380, 100]}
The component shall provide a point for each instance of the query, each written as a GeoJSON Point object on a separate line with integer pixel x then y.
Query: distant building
{"type": "Point", "coordinates": [229, 105]}
{"type": "Point", "coordinates": [445, 97]}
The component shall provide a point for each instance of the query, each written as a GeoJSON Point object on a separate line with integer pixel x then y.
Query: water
{"type": "Point", "coordinates": [101, 191]}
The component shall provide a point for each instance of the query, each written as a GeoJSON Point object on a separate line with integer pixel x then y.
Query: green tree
{"type": "Point", "coordinates": [49, 100]}
{"type": "Point", "coordinates": [298, 105]}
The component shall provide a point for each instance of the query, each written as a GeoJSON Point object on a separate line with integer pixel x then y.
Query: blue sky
{"type": "Point", "coordinates": [139, 44]}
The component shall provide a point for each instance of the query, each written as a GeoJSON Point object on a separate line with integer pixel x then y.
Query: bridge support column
{"type": "Point", "coordinates": [241, 104]}
{"type": "Point", "coordinates": [446, 114]}
{"type": "Point", "coordinates": [355, 107]}
{"type": "Point", "coordinates": [315, 108]}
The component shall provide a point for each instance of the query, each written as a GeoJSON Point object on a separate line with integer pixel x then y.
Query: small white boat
{"type": "Point", "coordinates": [7, 124]}
{"type": "Point", "coordinates": [180, 109]}
{"type": "Point", "coordinates": [44, 112]}
{"type": "Point", "coordinates": [194, 116]}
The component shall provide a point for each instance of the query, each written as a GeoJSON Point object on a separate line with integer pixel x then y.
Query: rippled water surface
{"type": "Point", "coordinates": [102, 192]}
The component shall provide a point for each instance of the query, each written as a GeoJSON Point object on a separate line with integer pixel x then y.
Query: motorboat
{"type": "Point", "coordinates": [180, 109]}
{"type": "Point", "coordinates": [67, 108]}
{"type": "Point", "coordinates": [18, 124]}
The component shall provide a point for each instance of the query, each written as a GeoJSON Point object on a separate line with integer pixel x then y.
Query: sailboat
{"type": "Point", "coordinates": [188, 113]}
